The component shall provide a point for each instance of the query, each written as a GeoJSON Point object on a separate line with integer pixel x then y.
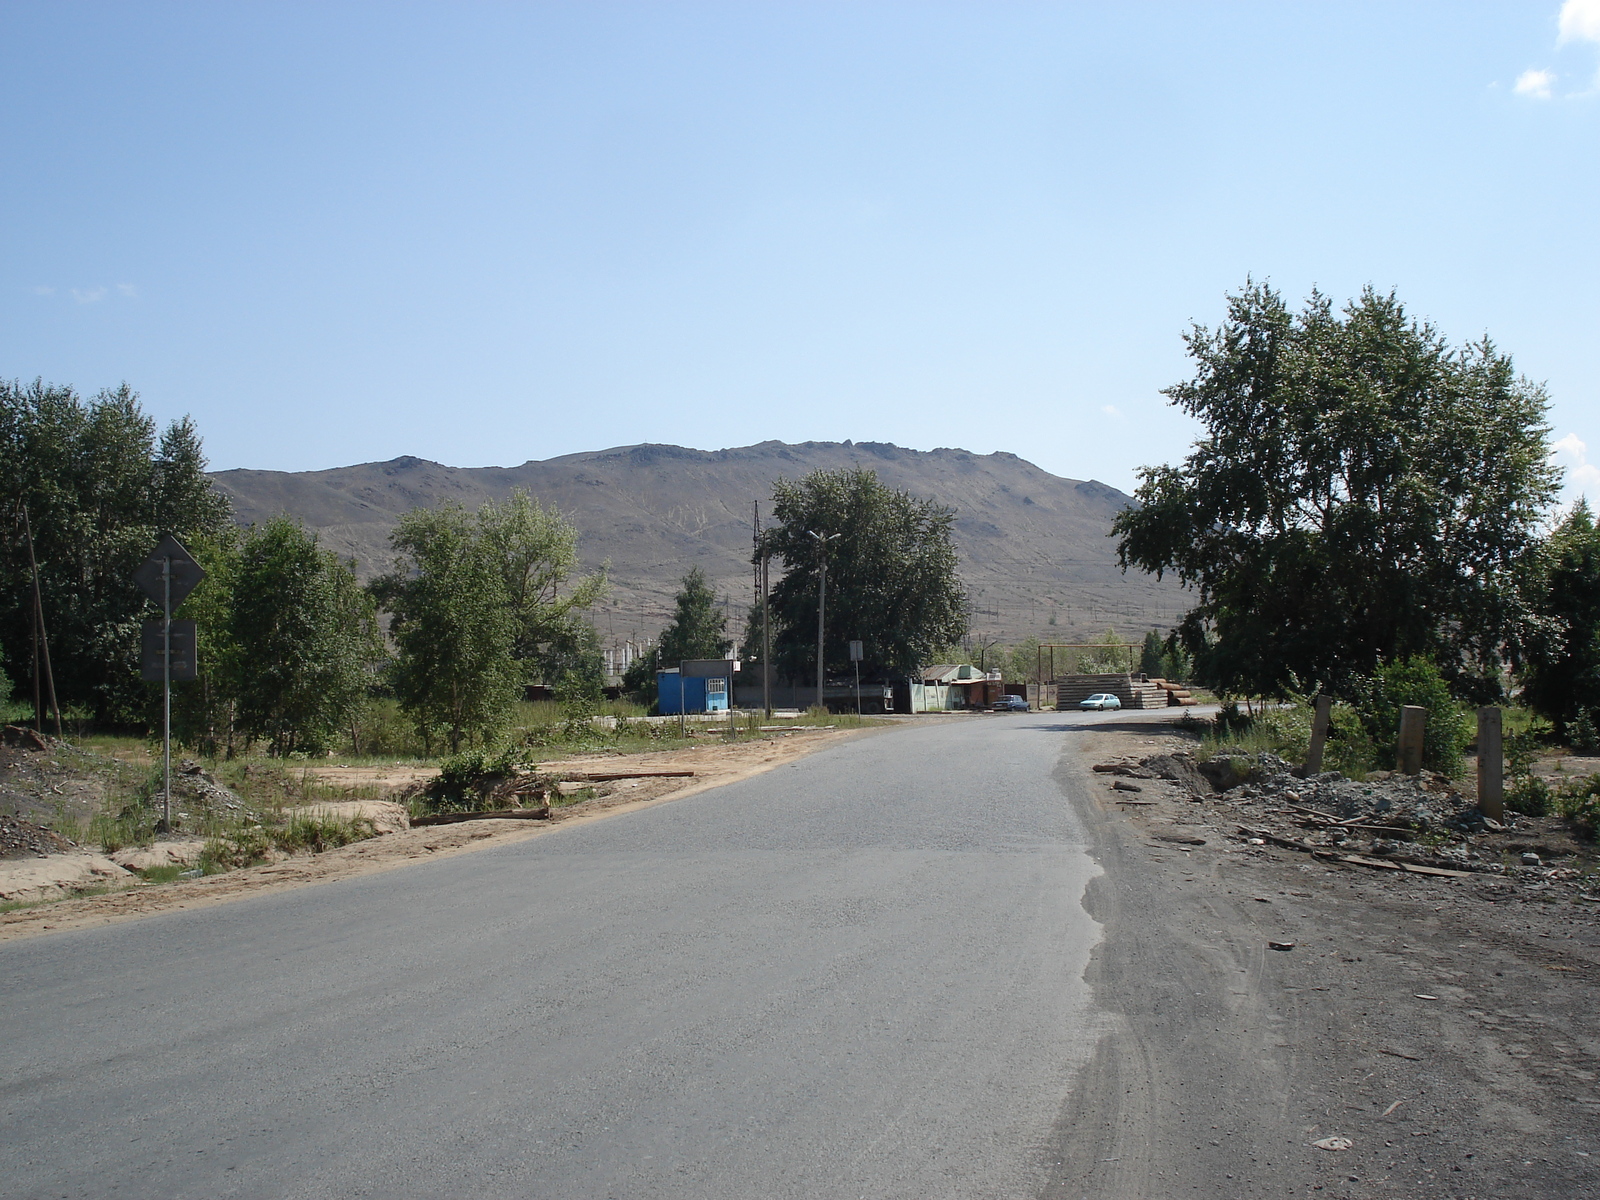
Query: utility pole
{"type": "Point", "coordinates": [762, 561]}
{"type": "Point", "coordinates": [41, 640]}
{"type": "Point", "coordinates": [822, 601]}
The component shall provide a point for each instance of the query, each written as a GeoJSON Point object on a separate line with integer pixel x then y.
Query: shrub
{"type": "Point", "coordinates": [1579, 802]}
{"type": "Point", "coordinates": [1530, 796]}
{"type": "Point", "coordinates": [1416, 681]}
{"type": "Point", "coordinates": [1585, 733]}
{"type": "Point", "coordinates": [466, 780]}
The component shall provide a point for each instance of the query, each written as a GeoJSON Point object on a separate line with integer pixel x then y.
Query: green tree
{"type": "Point", "coordinates": [535, 550]}
{"type": "Point", "coordinates": [100, 487]}
{"type": "Point", "coordinates": [1152, 655]}
{"type": "Point", "coordinates": [1560, 652]}
{"type": "Point", "coordinates": [205, 711]}
{"type": "Point", "coordinates": [1021, 662]}
{"type": "Point", "coordinates": [750, 641]}
{"type": "Point", "coordinates": [305, 639]}
{"type": "Point", "coordinates": [892, 580]}
{"type": "Point", "coordinates": [1362, 493]}
{"type": "Point", "coordinates": [698, 628]}
{"type": "Point", "coordinates": [457, 674]}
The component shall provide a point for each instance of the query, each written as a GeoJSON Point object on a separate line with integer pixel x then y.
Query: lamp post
{"type": "Point", "coordinates": [822, 600]}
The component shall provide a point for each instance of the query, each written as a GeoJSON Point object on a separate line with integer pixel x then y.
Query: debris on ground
{"type": "Point", "coordinates": [20, 839]}
{"type": "Point", "coordinates": [1421, 824]}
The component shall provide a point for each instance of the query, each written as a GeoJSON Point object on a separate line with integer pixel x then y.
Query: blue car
{"type": "Point", "coordinates": [1011, 704]}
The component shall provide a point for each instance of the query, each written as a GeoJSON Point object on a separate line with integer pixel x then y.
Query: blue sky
{"type": "Point", "coordinates": [483, 233]}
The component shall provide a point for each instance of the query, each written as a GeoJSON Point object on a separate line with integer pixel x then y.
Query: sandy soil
{"type": "Point", "coordinates": [713, 764]}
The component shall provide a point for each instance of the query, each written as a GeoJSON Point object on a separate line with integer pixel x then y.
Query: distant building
{"type": "Point", "coordinates": [701, 685]}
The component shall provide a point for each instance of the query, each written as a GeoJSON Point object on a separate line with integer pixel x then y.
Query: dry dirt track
{"type": "Point", "coordinates": [1451, 1032]}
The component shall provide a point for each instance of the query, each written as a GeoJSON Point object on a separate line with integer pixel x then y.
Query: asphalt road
{"type": "Point", "coordinates": [861, 974]}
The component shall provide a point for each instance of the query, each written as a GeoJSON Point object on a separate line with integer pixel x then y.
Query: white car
{"type": "Point", "coordinates": [1100, 701]}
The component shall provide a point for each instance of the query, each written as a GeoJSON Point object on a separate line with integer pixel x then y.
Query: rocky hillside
{"type": "Point", "coordinates": [1033, 545]}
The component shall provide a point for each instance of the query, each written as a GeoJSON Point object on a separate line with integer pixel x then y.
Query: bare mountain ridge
{"type": "Point", "coordinates": [1033, 545]}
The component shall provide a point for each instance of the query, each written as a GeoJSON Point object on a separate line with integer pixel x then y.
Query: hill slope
{"type": "Point", "coordinates": [1033, 545]}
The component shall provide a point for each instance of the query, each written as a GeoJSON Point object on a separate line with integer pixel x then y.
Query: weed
{"type": "Point", "coordinates": [1531, 796]}
{"type": "Point", "coordinates": [317, 834]}
{"type": "Point", "coordinates": [165, 874]}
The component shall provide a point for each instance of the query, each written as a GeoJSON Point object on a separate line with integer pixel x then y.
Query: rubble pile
{"type": "Point", "coordinates": [19, 839]}
{"type": "Point", "coordinates": [1421, 822]}
{"type": "Point", "coordinates": [197, 796]}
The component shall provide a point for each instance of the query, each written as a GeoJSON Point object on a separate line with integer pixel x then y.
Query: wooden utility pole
{"type": "Point", "coordinates": [41, 641]}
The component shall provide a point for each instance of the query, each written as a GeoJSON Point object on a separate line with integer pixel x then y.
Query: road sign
{"type": "Point", "coordinates": [184, 570]}
{"type": "Point", "coordinates": [855, 652]}
{"type": "Point", "coordinates": [183, 652]}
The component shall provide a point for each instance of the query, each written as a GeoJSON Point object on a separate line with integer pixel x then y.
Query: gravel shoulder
{"type": "Point", "coordinates": [1447, 1027]}
{"type": "Point", "coordinates": [714, 766]}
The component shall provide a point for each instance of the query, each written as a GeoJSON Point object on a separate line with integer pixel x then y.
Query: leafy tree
{"type": "Point", "coordinates": [698, 628]}
{"type": "Point", "coordinates": [1021, 662]}
{"type": "Point", "coordinates": [1362, 493]}
{"type": "Point", "coordinates": [892, 581]}
{"type": "Point", "coordinates": [1108, 655]}
{"type": "Point", "coordinates": [100, 488]}
{"type": "Point", "coordinates": [304, 638]}
{"type": "Point", "coordinates": [750, 643]}
{"type": "Point", "coordinates": [205, 711]}
{"type": "Point", "coordinates": [1150, 657]}
{"type": "Point", "coordinates": [1560, 655]}
{"type": "Point", "coordinates": [639, 680]}
{"type": "Point", "coordinates": [457, 674]}
{"type": "Point", "coordinates": [535, 550]}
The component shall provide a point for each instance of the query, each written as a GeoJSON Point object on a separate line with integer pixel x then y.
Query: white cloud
{"type": "Point", "coordinates": [1110, 410]}
{"type": "Point", "coordinates": [1572, 453]}
{"type": "Point", "coordinates": [128, 290]}
{"type": "Point", "coordinates": [1534, 83]}
{"type": "Point", "coordinates": [1580, 21]}
{"type": "Point", "coordinates": [89, 295]}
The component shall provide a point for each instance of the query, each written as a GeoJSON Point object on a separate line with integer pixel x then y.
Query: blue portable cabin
{"type": "Point", "coordinates": [692, 687]}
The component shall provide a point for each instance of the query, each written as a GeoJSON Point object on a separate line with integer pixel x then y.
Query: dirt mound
{"type": "Point", "coordinates": [19, 839]}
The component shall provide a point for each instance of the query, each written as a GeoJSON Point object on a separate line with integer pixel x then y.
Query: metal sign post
{"type": "Point", "coordinates": [167, 577]}
{"type": "Point", "coordinates": [855, 657]}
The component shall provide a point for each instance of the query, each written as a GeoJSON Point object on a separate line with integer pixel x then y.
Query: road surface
{"type": "Point", "coordinates": [861, 974]}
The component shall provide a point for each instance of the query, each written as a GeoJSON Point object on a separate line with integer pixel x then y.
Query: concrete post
{"type": "Point", "coordinates": [1413, 724]}
{"type": "Point", "coordinates": [1491, 765]}
{"type": "Point", "coordinates": [1319, 734]}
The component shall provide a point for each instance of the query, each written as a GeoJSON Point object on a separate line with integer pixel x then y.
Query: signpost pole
{"type": "Point", "coordinates": [166, 693]}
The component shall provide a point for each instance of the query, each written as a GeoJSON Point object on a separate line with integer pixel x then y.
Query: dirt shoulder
{"type": "Point", "coordinates": [713, 765]}
{"type": "Point", "coordinates": [1447, 1027]}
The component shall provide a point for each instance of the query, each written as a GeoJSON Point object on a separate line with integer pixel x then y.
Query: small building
{"type": "Point", "coordinates": [953, 687]}
{"type": "Point", "coordinates": [701, 685]}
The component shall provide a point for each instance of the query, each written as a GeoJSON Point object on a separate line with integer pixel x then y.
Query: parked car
{"type": "Point", "coordinates": [1100, 702]}
{"type": "Point", "coordinates": [1011, 704]}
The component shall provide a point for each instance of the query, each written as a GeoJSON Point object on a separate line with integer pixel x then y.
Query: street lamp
{"type": "Point", "coordinates": [822, 600]}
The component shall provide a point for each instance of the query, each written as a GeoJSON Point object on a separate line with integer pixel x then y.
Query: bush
{"type": "Point", "coordinates": [1579, 802]}
{"type": "Point", "coordinates": [1413, 682]}
{"type": "Point", "coordinates": [1530, 796]}
{"type": "Point", "coordinates": [466, 780]}
{"type": "Point", "coordinates": [1585, 733]}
